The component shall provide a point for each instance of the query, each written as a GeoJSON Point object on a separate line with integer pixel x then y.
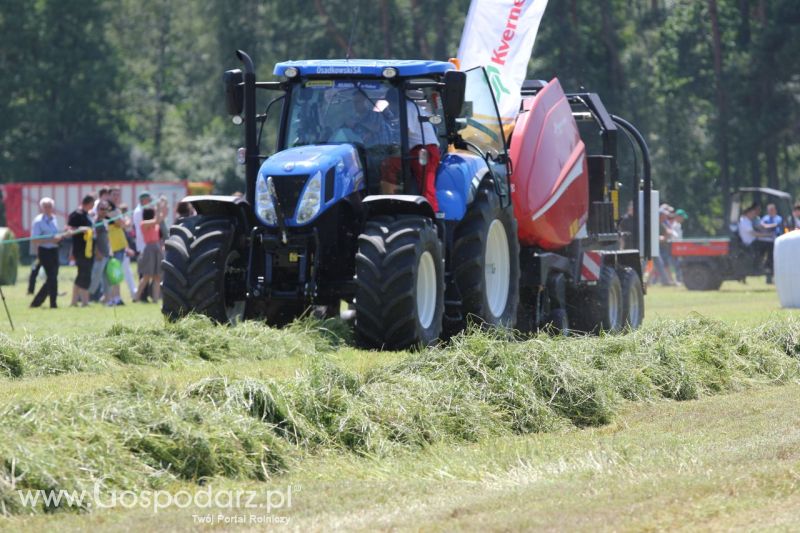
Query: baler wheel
{"type": "Point", "coordinates": [632, 298]}
{"type": "Point", "coordinates": [599, 308]}
{"type": "Point", "coordinates": [399, 299]}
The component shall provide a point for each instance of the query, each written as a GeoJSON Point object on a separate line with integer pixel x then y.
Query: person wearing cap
{"type": "Point", "coordinates": [662, 273]}
{"type": "Point", "coordinates": [676, 228]}
{"type": "Point", "coordinates": [677, 224]}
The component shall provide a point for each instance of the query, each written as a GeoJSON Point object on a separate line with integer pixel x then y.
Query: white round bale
{"type": "Point", "coordinates": [787, 261]}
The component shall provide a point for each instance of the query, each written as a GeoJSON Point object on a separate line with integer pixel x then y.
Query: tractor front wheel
{"type": "Point", "coordinates": [399, 299]}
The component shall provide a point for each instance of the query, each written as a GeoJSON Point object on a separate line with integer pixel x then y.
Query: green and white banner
{"type": "Point", "coordinates": [499, 35]}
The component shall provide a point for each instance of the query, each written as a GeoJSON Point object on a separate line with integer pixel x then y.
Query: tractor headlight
{"type": "Point", "coordinates": [291, 72]}
{"type": "Point", "coordinates": [389, 72]}
{"type": "Point", "coordinates": [265, 208]}
{"type": "Point", "coordinates": [310, 202]}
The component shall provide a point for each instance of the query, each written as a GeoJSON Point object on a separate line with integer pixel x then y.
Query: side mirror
{"type": "Point", "coordinates": [455, 85]}
{"type": "Point", "coordinates": [234, 91]}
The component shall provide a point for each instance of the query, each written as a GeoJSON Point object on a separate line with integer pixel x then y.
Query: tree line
{"type": "Point", "coordinates": [130, 89]}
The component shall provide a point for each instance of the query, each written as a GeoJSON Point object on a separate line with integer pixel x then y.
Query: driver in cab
{"type": "Point", "coordinates": [364, 124]}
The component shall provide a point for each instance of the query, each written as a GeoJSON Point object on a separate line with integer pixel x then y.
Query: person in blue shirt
{"type": "Point", "coordinates": [772, 220]}
{"type": "Point", "coordinates": [772, 223]}
{"type": "Point", "coordinates": [46, 237]}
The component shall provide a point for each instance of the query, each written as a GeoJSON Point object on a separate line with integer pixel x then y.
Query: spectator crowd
{"type": "Point", "coordinates": [106, 238]}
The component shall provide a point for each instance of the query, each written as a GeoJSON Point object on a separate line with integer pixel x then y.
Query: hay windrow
{"type": "Point", "coordinates": [190, 340]}
{"type": "Point", "coordinates": [479, 386]}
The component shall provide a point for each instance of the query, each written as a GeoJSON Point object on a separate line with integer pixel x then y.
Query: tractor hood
{"type": "Point", "coordinates": [306, 181]}
{"type": "Point", "coordinates": [309, 159]}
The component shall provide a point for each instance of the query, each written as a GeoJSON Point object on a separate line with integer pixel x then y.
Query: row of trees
{"type": "Point", "coordinates": [116, 89]}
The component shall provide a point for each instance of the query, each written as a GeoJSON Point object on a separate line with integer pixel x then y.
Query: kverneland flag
{"type": "Point", "coordinates": [499, 35]}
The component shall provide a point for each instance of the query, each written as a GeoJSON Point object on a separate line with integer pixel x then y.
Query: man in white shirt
{"type": "Point", "coordinates": [46, 234]}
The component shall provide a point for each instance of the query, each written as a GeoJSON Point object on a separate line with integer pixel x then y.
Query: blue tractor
{"type": "Point", "coordinates": [342, 210]}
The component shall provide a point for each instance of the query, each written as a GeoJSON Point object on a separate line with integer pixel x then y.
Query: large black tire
{"type": "Point", "coordinates": [700, 277]}
{"type": "Point", "coordinates": [632, 298]}
{"type": "Point", "coordinates": [599, 308]}
{"type": "Point", "coordinates": [399, 299]}
{"type": "Point", "coordinates": [200, 267]}
{"type": "Point", "coordinates": [489, 291]}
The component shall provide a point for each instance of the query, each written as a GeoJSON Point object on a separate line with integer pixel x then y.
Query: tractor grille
{"type": "Point", "coordinates": [288, 189]}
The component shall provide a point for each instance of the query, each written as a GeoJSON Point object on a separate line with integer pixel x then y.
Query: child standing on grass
{"type": "Point", "coordinates": [151, 256]}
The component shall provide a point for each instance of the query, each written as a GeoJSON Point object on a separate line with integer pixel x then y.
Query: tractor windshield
{"type": "Point", "coordinates": [360, 112]}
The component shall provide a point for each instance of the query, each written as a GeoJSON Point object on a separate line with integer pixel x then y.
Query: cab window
{"type": "Point", "coordinates": [483, 127]}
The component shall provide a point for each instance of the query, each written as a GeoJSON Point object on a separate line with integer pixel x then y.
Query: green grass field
{"type": "Point", "coordinates": [576, 433]}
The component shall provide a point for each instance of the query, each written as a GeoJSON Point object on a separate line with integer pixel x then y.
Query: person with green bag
{"type": "Point", "coordinates": [114, 273]}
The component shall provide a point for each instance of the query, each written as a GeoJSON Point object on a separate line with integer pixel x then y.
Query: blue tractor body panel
{"type": "Point", "coordinates": [363, 67]}
{"type": "Point", "coordinates": [454, 182]}
{"type": "Point", "coordinates": [456, 172]}
{"type": "Point", "coordinates": [338, 163]}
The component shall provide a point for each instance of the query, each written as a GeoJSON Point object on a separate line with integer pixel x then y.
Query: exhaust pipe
{"type": "Point", "coordinates": [252, 160]}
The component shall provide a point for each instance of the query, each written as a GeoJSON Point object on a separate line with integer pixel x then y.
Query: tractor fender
{"type": "Point", "coordinates": [398, 204]}
{"type": "Point", "coordinates": [234, 207]}
{"type": "Point", "coordinates": [458, 180]}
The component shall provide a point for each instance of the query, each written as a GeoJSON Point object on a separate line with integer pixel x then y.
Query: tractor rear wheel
{"type": "Point", "coordinates": [632, 298]}
{"type": "Point", "coordinates": [203, 273]}
{"type": "Point", "coordinates": [486, 263]}
{"type": "Point", "coordinates": [399, 299]}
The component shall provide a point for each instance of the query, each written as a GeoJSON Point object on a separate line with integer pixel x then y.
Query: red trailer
{"type": "Point", "coordinates": [22, 199]}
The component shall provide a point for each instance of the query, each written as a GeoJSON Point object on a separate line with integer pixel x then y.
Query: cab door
{"type": "Point", "coordinates": [483, 131]}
